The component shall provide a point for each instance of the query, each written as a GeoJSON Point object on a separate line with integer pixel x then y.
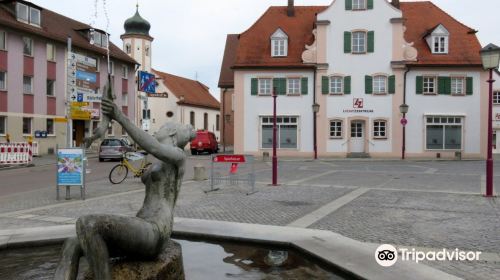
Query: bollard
{"type": "Point", "coordinates": [200, 173]}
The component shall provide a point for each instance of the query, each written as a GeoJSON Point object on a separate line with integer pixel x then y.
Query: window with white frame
{"type": "Point", "coordinates": [279, 43]}
{"type": "Point", "coordinates": [458, 85]}
{"type": "Point", "coordinates": [28, 84]}
{"type": "Point", "coordinates": [359, 42]}
{"type": "Point", "coordinates": [51, 87]}
{"type": "Point", "coordinates": [124, 99]}
{"type": "Point", "coordinates": [125, 71]}
{"type": "Point", "coordinates": [429, 85]}
{"type": "Point", "coordinates": [496, 97]}
{"type": "Point", "coordinates": [336, 85]}
{"type": "Point", "coordinates": [380, 129]}
{"type": "Point", "coordinates": [336, 129]}
{"type": "Point", "coordinates": [444, 132]}
{"type": "Point", "coordinates": [440, 44]}
{"type": "Point", "coordinates": [3, 81]}
{"type": "Point", "coordinates": [3, 40]}
{"type": "Point", "coordinates": [30, 15]}
{"type": "Point", "coordinates": [287, 136]}
{"type": "Point", "coordinates": [51, 52]}
{"type": "Point", "coordinates": [293, 86]}
{"type": "Point", "coordinates": [265, 86]}
{"type": "Point", "coordinates": [27, 126]}
{"type": "Point", "coordinates": [379, 84]}
{"type": "Point", "coordinates": [50, 126]}
{"type": "Point", "coordinates": [3, 125]}
{"type": "Point", "coordinates": [28, 46]}
{"type": "Point", "coordinates": [358, 4]}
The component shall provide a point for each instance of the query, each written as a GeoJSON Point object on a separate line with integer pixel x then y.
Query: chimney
{"type": "Point", "coordinates": [395, 3]}
{"type": "Point", "coordinates": [291, 9]}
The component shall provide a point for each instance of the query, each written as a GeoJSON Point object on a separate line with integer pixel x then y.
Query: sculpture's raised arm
{"type": "Point", "coordinates": [149, 143]}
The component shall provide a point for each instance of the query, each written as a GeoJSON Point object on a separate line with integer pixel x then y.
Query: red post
{"type": "Point", "coordinates": [275, 130]}
{"type": "Point", "coordinates": [489, 160]}
{"type": "Point", "coordinates": [403, 147]}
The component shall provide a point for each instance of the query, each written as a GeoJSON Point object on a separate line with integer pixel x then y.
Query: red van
{"type": "Point", "coordinates": [205, 141]}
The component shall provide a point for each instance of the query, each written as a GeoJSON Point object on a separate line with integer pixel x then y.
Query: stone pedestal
{"type": "Point", "coordinates": [167, 266]}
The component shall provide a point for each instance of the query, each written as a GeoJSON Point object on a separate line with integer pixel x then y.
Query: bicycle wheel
{"type": "Point", "coordinates": [118, 174]}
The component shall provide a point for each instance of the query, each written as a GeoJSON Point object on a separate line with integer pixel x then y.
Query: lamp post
{"type": "Point", "coordinates": [275, 130]}
{"type": "Point", "coordinates": [490, 56]}
{"type": "Point", "coordinates": [403, 108]}
{"type": "Point", "coordinates": [315, 108]}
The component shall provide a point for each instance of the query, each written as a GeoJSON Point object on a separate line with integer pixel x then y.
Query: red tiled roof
{"type": "Point", "coordinates": [421, 18]}
{"type": "Point", "coordinates": [58, 27]}
{"type": "Point", "coordinates": [254, 45]}
{"type": "Point", "coordinates": [226, 78]}
{"type": "Point", "coordinates": [189, 92]}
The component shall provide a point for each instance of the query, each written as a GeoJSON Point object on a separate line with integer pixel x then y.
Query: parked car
{"type": "Point", "coordinates": [112, 148]}
{"type": "Point", "coordinates": [205, 141]}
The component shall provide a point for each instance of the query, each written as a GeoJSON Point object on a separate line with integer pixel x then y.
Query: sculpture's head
{"type": "Point", "coordinates": [175, 133]}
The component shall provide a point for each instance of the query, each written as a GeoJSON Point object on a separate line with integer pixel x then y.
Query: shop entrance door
{"type": "Point", "coordinates": [78, 132]}
{"type": "Point", "coordinates": [357, 141]}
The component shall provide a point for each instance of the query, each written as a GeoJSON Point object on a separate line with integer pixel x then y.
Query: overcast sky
{"type": "Point", "coordinates": [190, 34]}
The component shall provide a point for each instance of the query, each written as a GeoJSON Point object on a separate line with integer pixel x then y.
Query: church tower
{"type": "Point", "coordinates": [137, 41]}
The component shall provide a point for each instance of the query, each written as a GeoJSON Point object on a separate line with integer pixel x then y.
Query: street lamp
{"type": "Point", "coordinates": [315, 108]}
{"type": "Point", "coordinates": [403, 108]}
{"type": "Point", "coordinates": [490, 56]}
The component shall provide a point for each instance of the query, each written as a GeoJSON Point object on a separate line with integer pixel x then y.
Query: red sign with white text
{"type": "Point", "coordinates": [230, 158]}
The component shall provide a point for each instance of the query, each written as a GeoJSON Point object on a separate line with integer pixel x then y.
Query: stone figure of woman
{"type": "Point", "coordinates": [143, 237]}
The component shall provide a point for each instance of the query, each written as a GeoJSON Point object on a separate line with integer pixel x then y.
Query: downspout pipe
{"type": "Point", "coordinates": [315, 137]}
{"type": "Point", "coordinates": [403, 148]}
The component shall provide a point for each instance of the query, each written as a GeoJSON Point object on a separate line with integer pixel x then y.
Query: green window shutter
{"type": "Point", "coordinates": [368, 84]}
{"type": "Point", "coordinates": [347, 85]}
{"type": "Point", "coordinates": [419, 85]}
{"type": "Point", "coordinates": [348, 5]}
{"type": "Point", "coordinates": [469, 85]}
{"type": "Point", "coordinates": [447, 85]}
{"type": "Point", "coordinates": [392, 84]}
{"type": "Point", "coordinates": [441, 85]}
{"type": "Point", "coordinates": [280, 84]}
{"type": "Point", "coordinates": [325, 85]}
{"type": "Point", "coordinates": [303, 86]}
{"type": "Point", "coordinates": [371, 41]}
{"type": "Point", "coordinates": [347, 42]}
{"type": "Point", "coordinates": [369, 4]}
{"type": "Point", "coordinates": [255, 86]}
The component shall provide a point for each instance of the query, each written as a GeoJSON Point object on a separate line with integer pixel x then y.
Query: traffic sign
{"type": "Point", "coordinates": [404, 121]}
{"type": "Point", "coordinates": [80, 115]}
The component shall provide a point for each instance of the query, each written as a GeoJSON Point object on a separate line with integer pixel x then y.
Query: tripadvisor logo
{"type": "Point", "coordinates": [386, 255]}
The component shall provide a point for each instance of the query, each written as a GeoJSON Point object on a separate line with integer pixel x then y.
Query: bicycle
{"type": "Point", "coordinates": [119, 172]}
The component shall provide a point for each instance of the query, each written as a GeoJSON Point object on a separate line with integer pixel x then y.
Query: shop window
{"type": "Point", "coordinates": [287, 129]}
{"type": "Point", "coordinates": [50, 126]}
{"type": "Point", "coordinates": [444, 132]}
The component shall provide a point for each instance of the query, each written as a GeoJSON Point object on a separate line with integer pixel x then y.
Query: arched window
{"type": "Point", "coordinates": [191, 119]}
{"type": "Point", "coordinates": [205, 121]}
{"type": "Point", "coordinates": [128, 48]}
{"type": "Point", "coordinates": [147, 50]}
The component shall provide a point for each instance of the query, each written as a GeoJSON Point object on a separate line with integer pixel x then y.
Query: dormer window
{"type": "Point", "coordinates": [28, 14]}
{"type": "Point", "coordinates": [98, 38]}
{"type": "Point", "coordinates": [438, 40]}
{"type": "Point", "coordinates": [279, 43]}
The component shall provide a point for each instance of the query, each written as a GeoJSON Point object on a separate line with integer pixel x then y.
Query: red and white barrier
{"type": "Point", "coordinates": [15, 153]}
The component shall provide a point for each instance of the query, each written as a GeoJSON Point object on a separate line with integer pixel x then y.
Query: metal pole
{"type": "Point", "coordinates": [403, 147]}
{"type": "Point", "coordinates": [69, 122]}
{"type": "Point", "coordinates": [489, 160]}
{"type": "Point", "coordinates": [275, 158]}
{"type": "Point", "coordinates": [315, 138]}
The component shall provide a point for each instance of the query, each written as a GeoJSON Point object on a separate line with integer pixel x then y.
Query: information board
{"type": "Point", "coordinates": [70, 167]}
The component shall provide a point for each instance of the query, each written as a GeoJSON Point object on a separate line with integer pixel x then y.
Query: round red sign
{"type": "Point", "coordinates": [404, 121]}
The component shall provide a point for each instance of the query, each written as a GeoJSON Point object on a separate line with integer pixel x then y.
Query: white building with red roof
{"type": "Point", "coordinates": [359, 60]}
